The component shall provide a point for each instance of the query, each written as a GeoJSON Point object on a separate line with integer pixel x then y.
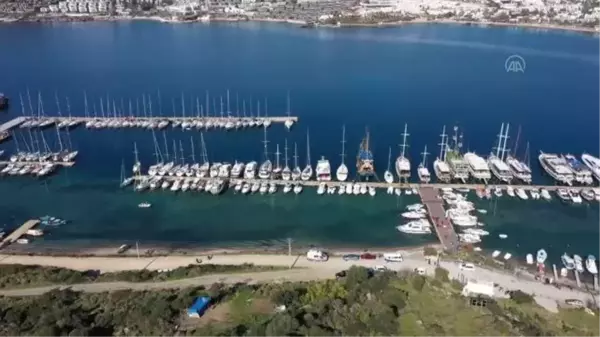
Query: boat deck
{"type": "Point", "coordinates": [17, 233]}
{"type": "Point", "coordinates": [442, 225]}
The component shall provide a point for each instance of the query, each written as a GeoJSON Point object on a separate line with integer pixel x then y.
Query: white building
{"type": "Point", "coordinates": [478, 288]}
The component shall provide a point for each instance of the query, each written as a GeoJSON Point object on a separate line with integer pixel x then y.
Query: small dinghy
{"type": "Point", "coordinates": [507, 256]}
{"type": "Point", "coordinates": [482, 211]}
{"type": "Point", "coordinates": [502, 236]}
{"type": "Point", "coordinates": [496, 253]}
{"type": "Point", "coordinates": [541, 256]}
{"type": "Point", "coordinates": [145, 205]}
{"type": "Point", "coordinates": [529, 258]}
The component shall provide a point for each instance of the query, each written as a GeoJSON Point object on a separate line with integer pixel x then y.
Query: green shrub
{"type": "Point", "coordinates": [441, 274]}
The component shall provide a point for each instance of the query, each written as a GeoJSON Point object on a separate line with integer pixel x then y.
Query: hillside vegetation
{"type": "Point", "coordinates": [360, 304]}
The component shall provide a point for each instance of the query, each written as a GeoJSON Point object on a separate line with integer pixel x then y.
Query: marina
{"type": "Point", "coordinates": [19, 232]}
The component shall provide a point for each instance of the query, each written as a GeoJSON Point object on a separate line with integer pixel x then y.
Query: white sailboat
{"type": "Point", "coordinates": [307, 172]}
{"type": "Point", "coordinates": [296, 173]}
{"type": "Point", "coordinates": [402, 163]}
{"type": "Point", "coordinates": [137, 166]}
{"type": "Point", "coordinates": [125, 181]}
{"type": "Point", "coordinates": [423, 171]}
{"type": "Point", "coordinates": [342, 171]}
{"type": "Point", "coordinates": [266, 168]}
{"type": "Point", "coordinates": [286, 173]}
{"type": "Point", "coordinates": [388, 176]}
{"type": "Point", "coordinates": [277, 171]}
{"type": "Point", "coordinates": [440, 167]}
{"type": "Point", "coordinates": [288, 122]}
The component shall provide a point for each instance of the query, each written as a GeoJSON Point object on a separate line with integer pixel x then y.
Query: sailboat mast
{"type": "Point", "coordinates": [228, 107]}
{"type": "Point", "coordinates": [405, 134]}
{"type": "Point", "coordinates": [499, 146]}
{"type": "Point", "coordinates": [181, 150]}
{"type": "Point", "coordinates": [277, 156]}
{"type": "Point", "coordinates": [265, 145]}
{"type": "Point", "coordinates": [288, 104]}
{"type": "Point", "coordinates": [443, 144]}
{"type": "Point", "coordinates": [295, 154]}
{"type": "Point", "coordinates": [286, 153]}
{"type": "Point", "coordinates": [193, 151]}
{"type": "Point", "coordinates": [389, 158]}
{"type": "Point", "coordinates": [174, 152]}
{"type": "Point", "coordinates": [505, 140]}
{"type": "Point", "coordinates": [343, 143]}
{"type": "Point", "coordinates": [307, 148]}
{"type": "Point", "coordinates": [60, 145]}
{"type": "Point", "coordinates": [425, 153]}
{"type": "Point", "coordinates": [166, 146]}
{"type": "Point", "coordinates": [517, 142]}
{"type": "Point", "coordinates": [203, 145]}
{"type": "Point", "coordinates": [156, 149]}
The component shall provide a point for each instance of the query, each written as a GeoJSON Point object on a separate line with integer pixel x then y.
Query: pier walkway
{"type": "Point", "coordinates": [314, 183]}
{"type": "Point", "coordinates": [28, 163]}
{"type": "Point", "coordinates": [14, 236]}
{"type": "Point", "coordinates": [442, 225]}
{"type": "Point", "coordinates": [56, 119]}
{"type": "Point", "coordinates": [13, 123]}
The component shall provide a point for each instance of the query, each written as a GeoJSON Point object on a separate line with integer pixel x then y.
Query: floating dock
{"type": "Point", "coordinates": [443, 227]}
{"type": "Point", "coordinates": [13, 123]}
{"type": "Point", "coordinates": [382, 185]}
{"type": "Point", "coordinates": [16, 234]}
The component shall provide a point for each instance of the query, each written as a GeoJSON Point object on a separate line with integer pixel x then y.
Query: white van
{"type": "Point", "coordinates": [317, 255]}
{"type": "Point", "coordinates": [393, 257]}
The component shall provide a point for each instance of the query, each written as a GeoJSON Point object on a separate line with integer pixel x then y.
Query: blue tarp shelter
{"type": "Point", "coordinates": [199, 306]}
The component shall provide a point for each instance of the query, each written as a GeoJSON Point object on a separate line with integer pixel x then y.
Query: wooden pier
{"type": "Point", "coordinates": [15, 235]}
{"type": "Point", "coordinates": [381, 185]}
{"type": "Point", "coordinates": [13, 123]}
{"type": "Point", "coordinates": [443, 227]}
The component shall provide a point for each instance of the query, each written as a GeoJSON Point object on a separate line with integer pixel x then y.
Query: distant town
{"type": "Point", "coordinates": [567, 14]}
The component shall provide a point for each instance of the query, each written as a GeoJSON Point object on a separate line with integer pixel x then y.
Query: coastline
{"type": "Point", "coordinates": [86, 18]}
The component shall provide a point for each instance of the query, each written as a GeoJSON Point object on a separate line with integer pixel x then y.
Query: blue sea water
{"type": "Point", "coordinates": [424, 75]}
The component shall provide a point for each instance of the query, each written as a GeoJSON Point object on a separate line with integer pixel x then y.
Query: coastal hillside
{"type": "Point", "coordinates": [359, 302]}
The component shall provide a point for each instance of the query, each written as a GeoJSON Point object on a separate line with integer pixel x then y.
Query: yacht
{"type": "Point", "coordinates": [590, 264]}
{"type": "Point", "coordinates": [415, 227]}
{"type": "Point", "coordinates": [459, 168]}
{"type": "Point", "coordinates": [495, 161]}
{"type": "Point", "coordinates": [557, 167]}
{"type": "Point", "coordinates": [440, 167]}
{"type": "Point", "coordinates": [563, 194]}
{"type": "Point", "coordinates": [218, 187]}
{"type": "Point", "coordinates": [321, 189]}
{"type": "Point", "coordinates": [521, 193]}
{"type": "Point", "coordinates": [214, 170]}
{"type": "Point", "coordinates": [575, 197]}
{"type": "Point", "coordinates": [266, 168]}
{"type": "Point", "coordinates": [372, 191]}
{"type": "Point", "coordinates": [364, 159]}
{"type": "Point", "coordinates": [264, 187]}
{"type": "Point", "coordinates": [545, 194]}
{"type": "Point", "coordinates": [341, 174]}
{"type": "Point", "coordinates": [422, 171]}
{"type": "Point", "coordinates": [478, 167]}
{"type": "Point", "coordinates": [414, 214]}
{"type": "Point", "coordinates": [254, 187]}
{"type": "Point", "coordinates": [567, 261]}
{"type": "Point", "coordinates": [277, 170]}
{"type": "Point", "coordinates": [476, 231]}
{"type": "Point", "coordinates": [250, 170]}
{"type": "Point", "coordinates": [588, 195]}
{"type": "Point", "coordinates": [237, 170]}
{"type": "Point", "coordinates": [245, 188]}
{"type": "Point", "coordinates": [307, 172]}
{"type": "Point", "coordinates": [541, 256]}
{"type": "Point", "coordinates": [287, 188]}
{"type": "Point", "coordinates": [296, 173]}
{"type": "Point", "coordinates": [323, 170]}
{"type": "Point", "coordinates": [469, 238]}
{"type": "Point", "coordinates": [592, 163]}
{"type": "Point", "coordinates": [402, 163]}
{"type": "Point", "coordinates": [583, 175]}
{"type": "Point", "coordinates": [297, 189]}
{"type": "Point", "coordinates": [272, 188]}
{"type": "Point", "coordinates": [388, 176]}
{"type": "Point", "coordinates": [286, 173]}
{"type": "Point", "coordinates": [578, 263]}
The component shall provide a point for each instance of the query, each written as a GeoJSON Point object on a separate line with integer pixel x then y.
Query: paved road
{"type": "Point", "coordinates": [546, 295]}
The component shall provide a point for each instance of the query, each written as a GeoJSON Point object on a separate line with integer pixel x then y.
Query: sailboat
{"type": "Point", "coordinates": [308, 171]}
{"type": "Point", "coordinates": [296, 173]}
{"type": "Point", "coordinates": [288, 122]}
{"type": "Point", "coordinates": [364, 160]}
{"type": "Point", "coordinates": [286, 173]}
{"type": "Point", "coordinates": [423, 171]}
{"type": "Point", "coordinates": [388, 176]}
{"type": "Point", "coordinates": [204, 169]}
{"type": "Point", "coordinates": [519, 169]}
{"type": "Point", "coordinates": [277, 170]}
{"type": "Point", "coordinates": [125, 181]}
{"type": "Point", "coordinates": [342, 171]}
{"type": "Point", "coordinates": [265, 169]}
{"type": "Point", "coordinates": [402, 163]}
{"type": "Point", "coordinates": [440, 167]}
{"type": "Point", "coordinates": [137, 165]}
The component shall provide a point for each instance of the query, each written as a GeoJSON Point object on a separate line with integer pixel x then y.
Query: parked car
{"type": "Point", "coordinates": [368, 256]}
{"type": "Point", "coordinates": [351, 257]}
{"type": "Point", "coordinates": [467, 266]}
{"type": "Point", "coordinates": [380, 268]}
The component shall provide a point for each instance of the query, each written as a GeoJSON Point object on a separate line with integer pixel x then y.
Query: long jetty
{"type": "Point", "coordinates": [16, 234]}
{"type": "Point", "coordinates": [443, 227]}
{"type": "Point", "coordinates": [27, 163]}
{"type": "Point", "coordinates": [377, 184]}
{"type": "Point", "coordinates": [13, 123]}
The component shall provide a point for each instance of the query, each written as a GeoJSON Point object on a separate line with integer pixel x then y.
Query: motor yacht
{"type": "Point", "coordinates": [214, 170]}
{"type": "Point", "coordinates": [567, 261]}
{"type": "Point", "coordinates": [563, 194]}
{"type": "Point", "coordinates": [415, 227]}
{"type": "Point", "coordinates": [237, 170]}
{"type": "Point", "coordinates": [593, 164]}
{"type": "Point", "coordinates": [265, 170]}
{"type": "Point", "coordinates": [415, 214]}
{"type": "Point", "coordinates": [478, 168]}
{"type": "Point", "coordinates": [402, 162]}
{"type": "Point", "coordinates": [590, 264]}
{"type": "Point", "coordinates": [588, 195]}
{"type": "Point", "coordinates": [297, 189]}
{"type": "Point", "coordinates": [287, 188]}
{"type": "Point", "coordinates": [545, 194]}
{"type": "Point", "coordinates": [321, 189]}
{"type": "Point", "coordinates": [272, 188]}
{"type": "Point", "coordinates": [582, 174]}
{"type": "Point", "coordinates": [250, 170]}
{"type": "Point", "coordinates": [469, 238]}
{"type": "Point", "coordinates": [522, 194]}
{"type": "Point", "coordinates": [575, 197]}
{"type": "Point", "coordinates": [541, 256]}
{"type": "Point", "coordinates": [557, 167]}
{"type": "Point", "coordinates": [372, 191]}
{"type": "Point", "coordinates": [255, 187]}
{"type": "Point", "coordinates": [578, 263]}
{"type": "Point", "coordinates": [323, 170]}
{"type": "Point", "coordinates": [246, 188]}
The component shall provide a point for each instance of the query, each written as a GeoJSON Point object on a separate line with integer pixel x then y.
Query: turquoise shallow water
{"type": "Point", "coordinates": [423, 75]}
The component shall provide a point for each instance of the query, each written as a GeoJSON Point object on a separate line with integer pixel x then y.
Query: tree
{"type": "Point", "coordinates": [281, 325]}
{"type": "Point", "coordinates": [441, 274]}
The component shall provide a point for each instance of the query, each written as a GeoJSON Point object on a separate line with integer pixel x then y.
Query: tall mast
{"type": "Point", "coordinates": [277, 156]}
{"type": "Point", "coordinates": [405, 134]}
{"type": "Point", "coordinates": [182, 106]}
{"type": "Point", "coordinates": [295, 155]}
{"type": "Point", "coordinates": [207, 104]}
{"type": "Point", "coordinates": [166, 146]}
{"type": "Point", "coordinates": [288, 104]}
{"type": "Point", "coordinates": [505, 140]}
{"type": "Point", "coordinates": [193, 151]}
{"type": "Point", "coordinates": [22, 105]}
{"type": "Point", "coordinates": [60, 145]}
{"type": "Point", "coordinates": [343, 155]}
{"type": "Point", "coordinates": [443, 145]}
{"type": "Point", "coordinates": [203, 145]}
{"type": "Point", "coordinates": [135, 152]}
{"type": "Point", "coordinates": [174, 152]}
{"type": "Point", "coordinates": [157, 153]}
{"type": "Point", "coordinates": [181, 150]}
{"type": "Point", "coordinates": [517, 142]}
{"type": "Point", "coordinates": [286, 153]}
{"type": "Point", "coordinates": [265, 145]}
{"type": "Point", "coordinates": [499, 145]}
{"type": "Point", "coordinates": [526, 159]}
{"type": "Point", "coordinates": [266, 107]}
{"type": "Point", "coordinates": [221, 103]}
{"type": "Point", "coordinates": [425, 153]}
{"type": "Point", "coordinates": [57, 104]}
{"type": "Point", "coordinates": [307, 148]}
{"type": "Point", "coordinates": [389, 158]}
{"type": "Point", "coordinates": [228, 107]}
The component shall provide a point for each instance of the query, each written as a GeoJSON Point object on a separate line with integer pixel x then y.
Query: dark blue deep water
{"type": "Point", "coordinates": [424, 75]}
